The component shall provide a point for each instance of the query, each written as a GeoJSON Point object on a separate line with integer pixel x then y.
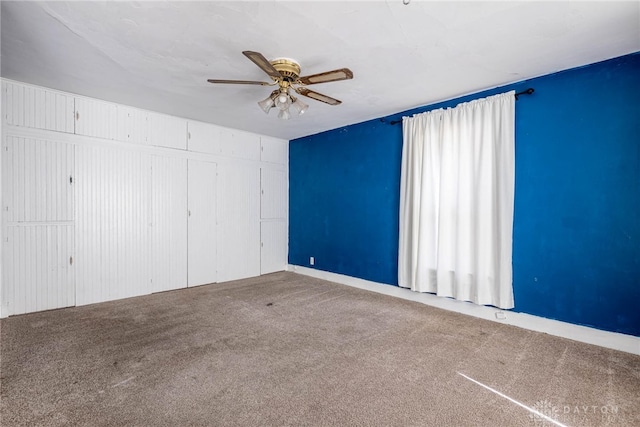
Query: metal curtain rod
{"type": "Point", "coordinates": [524, 92]}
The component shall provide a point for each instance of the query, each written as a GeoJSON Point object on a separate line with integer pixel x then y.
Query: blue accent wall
{"type": "Point", "coordinates": [576, 243]}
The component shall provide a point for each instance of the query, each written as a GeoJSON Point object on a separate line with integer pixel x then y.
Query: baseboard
{"type": "Point", "coordinates": [613, 340]}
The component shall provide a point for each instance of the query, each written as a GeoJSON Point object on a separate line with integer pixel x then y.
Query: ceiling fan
{"type": "Point", "coordinates": [285, 73]}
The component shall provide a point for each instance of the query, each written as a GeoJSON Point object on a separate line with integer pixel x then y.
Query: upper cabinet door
{"type": "Point", "coordinates": [204, 138]}
{"type": "Point", "coordinates": [111, 121]}
{"type": "Point", "coordinates": [212, 139]}
{"type": "Point", "coordinates": [96, 118]}
{"type": "Point", "coordinates": [167, 131]}
{"type": "Point", "coordinates": [37, 108]}
{"type": "Point", "coordinates": [133, 125]}
{"type": "Point", "coordinates": [274, 150]}
{"type": "Point", "coordinates": [245, 145]}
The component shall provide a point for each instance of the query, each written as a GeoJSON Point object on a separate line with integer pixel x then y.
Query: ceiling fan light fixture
{"type": "Point", "coordinates": [284, 114]}
{"type": "Point", "coordinates": [283, 100]}
{"type": "Point", "coordinates": [299, 106]}
{"type": "Point", "coordinates": [267, 103]}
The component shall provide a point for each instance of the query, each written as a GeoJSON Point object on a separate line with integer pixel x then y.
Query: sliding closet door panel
{"type": "Point", "coordinates": [169, 223]}
{"type": "Point", "coordinates": [113, 222]}
{"type": "Point", "coordinates": [38, 268]}
{"type": "Point", "coordinates": [202, 262]}
{"type": "Point", "coordinates": [37, 180]}
{"type": "Point", "coordinates": [239, 222]}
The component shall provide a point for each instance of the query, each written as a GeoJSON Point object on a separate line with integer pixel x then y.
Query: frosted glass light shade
{"type": "Point", "coordinates": [284, 114]}
{"type": "Point", "coordinates": [299, 107]}
{"type": "Point", "coordinates": [283, 101]}
{"type": "Point", "coordinates": [266, 104]}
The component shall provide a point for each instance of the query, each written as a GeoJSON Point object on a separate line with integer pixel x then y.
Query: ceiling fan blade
{"type": "Point", "coordinates": [263, 63]}
{"type": "Point", "coordinates": [240, 82]}
{"type": "Point", "coordinates": [328, 76]}
{"type": "Point", "coordinates": [318, 96]}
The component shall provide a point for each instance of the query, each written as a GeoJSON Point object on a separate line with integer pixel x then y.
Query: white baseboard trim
{"type": "Point", "coordinates": [613, 340]}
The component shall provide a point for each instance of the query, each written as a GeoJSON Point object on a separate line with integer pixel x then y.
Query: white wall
{"type": "Point", "coordinates": [96, 201]}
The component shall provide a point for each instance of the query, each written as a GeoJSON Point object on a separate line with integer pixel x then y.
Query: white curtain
{"type": "Point", "coordinates": [456, 201]}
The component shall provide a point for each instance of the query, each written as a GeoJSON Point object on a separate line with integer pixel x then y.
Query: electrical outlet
{"type": "Point", "coordinates": [501, 315]}
{"type": "Point", "coordinates": [312, 261]}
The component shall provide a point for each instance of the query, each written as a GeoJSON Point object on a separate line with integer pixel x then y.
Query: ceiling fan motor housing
{"type": "Point", "coordinates": [289, 68]}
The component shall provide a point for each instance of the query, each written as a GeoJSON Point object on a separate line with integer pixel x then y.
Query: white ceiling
{"type": "Point", "coordinates": [158, 55]}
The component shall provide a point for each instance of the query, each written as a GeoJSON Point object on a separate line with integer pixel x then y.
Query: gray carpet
{"type": "Point", "coordinates": [286, 349]}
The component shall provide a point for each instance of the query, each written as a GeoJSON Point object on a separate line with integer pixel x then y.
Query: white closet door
{"type": "Point", "coordinates": [273, 227]}
{"type": "Point", "coordinates": [168, 223]}
{"type": "Point", "coordinates": [38, 268]}
{"type": "Point", "coordinates": [37, 180]}
{"type": "Point", "coordinates": [273, 195]}
{"type": "Point", "coordinates": [37, 196]}
{"type": "Point", "coordinates": [202, 238]}
{"type": "Point", "coordinates": [273, 242]}
{"type": "Point", "coordinates": [239, 222]}
{"type": "Point", "coordinates": [113, 193]}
